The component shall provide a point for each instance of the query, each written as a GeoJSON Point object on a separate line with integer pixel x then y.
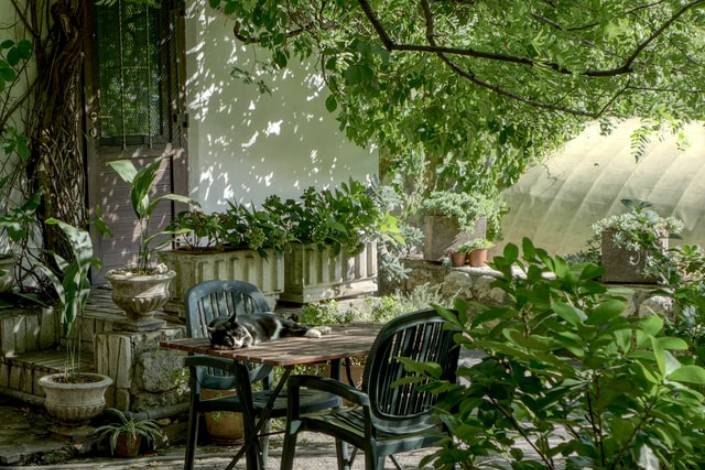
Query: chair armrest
{"type": "Point", "coordinates": [325, 384]}
{"type": "Point", "coordinates": [210, 361]}
{"type": "Point", "coordinates": [257, 374]}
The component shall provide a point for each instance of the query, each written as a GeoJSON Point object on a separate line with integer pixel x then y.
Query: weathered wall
{"type": "Point", "coordinates": [244, 145]}
{"type": "Point", "coordinates": [556, 204]}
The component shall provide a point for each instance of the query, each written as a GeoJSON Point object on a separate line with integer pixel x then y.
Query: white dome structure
{"type": "Point", "coordinates": [556, 204]}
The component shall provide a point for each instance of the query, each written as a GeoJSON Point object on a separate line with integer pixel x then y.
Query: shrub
{"type": "Point", "coordinates": [568, 373]}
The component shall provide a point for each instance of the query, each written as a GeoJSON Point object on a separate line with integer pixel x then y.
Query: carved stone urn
{"type": "Point", "coordinates": [140, 295]}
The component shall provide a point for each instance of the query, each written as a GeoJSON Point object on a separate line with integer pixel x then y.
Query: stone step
{"type": "Point", "coordinates": [22, 373]}
{"type": "Point", "coordinates": [27, 329]}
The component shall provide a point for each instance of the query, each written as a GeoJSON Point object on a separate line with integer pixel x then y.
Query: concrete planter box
{"type": "Point", "coordinates": [622, 266]}
{"type": "Point", "coordinates": [441, 233]}
{"type": "Point", "coordinates": [313, 274]}
{"type": "Point", "coordinates": [194, 267]}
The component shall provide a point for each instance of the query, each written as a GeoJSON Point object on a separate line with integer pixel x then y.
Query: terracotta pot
{"type": "Point", "coordinates": [75, 403]}
{"type": "Point", "coordinates": [478, 258]}
{"type": "Point", "coordinates": [128, 445]}
{"type": "Point", "coordinates": [224, 427]}
{"type": "Point", "coordinates": [441, 233]}
{"type": "Point", "coordinates": [7, 278]}
{"type": "Point", "coordinates": [458, 259]}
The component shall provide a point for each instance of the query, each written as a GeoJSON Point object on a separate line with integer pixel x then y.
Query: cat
{"type": "Point", "coordinates": [244, 330]}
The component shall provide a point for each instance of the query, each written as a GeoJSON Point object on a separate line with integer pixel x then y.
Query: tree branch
{"type": "Point", "coordinates": [625, 68]}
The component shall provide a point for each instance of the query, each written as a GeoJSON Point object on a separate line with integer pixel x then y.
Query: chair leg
{"type": "Point", "coordinates": [264, 442]}
{"type": "Point", "coordinates": [342, 454]}
{"type": "Point", "coordinates": [192, 438]}
{"type": "Point", "coordinates": [373, 460]}
{"type": "Point", "coordinates": [289, 450]}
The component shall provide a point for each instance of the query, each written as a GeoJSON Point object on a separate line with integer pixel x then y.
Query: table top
{"type": "Point", "coordinates": [342, 342]}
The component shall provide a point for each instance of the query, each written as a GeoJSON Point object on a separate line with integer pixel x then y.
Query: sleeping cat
{"type": "Point", "coordinates": [246, 330]}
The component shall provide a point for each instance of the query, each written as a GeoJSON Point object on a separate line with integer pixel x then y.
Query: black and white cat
{"type": "Point", "coordinates": [241, 331]}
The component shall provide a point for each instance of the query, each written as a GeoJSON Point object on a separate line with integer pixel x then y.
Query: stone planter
{"type": "Point", "coordinates": [312, 274]}
{"type": "Point", "coordinates": [622, 266]}
{"type": "Point", "coordinates": [478, 258]}
{"type": "Point", "coordinates": [75, 403]}
{"type": "Point", "coordinates": [194, 267]}
{"type": "Point", "coordinates": [7, 277]}
{"type": "Point", "coordinates": [442, 233]}
{"type": "Point", "coordinates": [139, 296]}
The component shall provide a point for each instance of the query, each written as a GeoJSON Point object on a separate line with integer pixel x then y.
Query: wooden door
{"type": "Point", "coordinates": [134, 109]}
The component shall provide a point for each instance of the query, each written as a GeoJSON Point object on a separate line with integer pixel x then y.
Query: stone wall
{"type": "Point", "coordinates": [476, 284]}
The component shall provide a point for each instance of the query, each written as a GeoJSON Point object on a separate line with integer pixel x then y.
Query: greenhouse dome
{"type": "Point", "coordinates": [555, 204]}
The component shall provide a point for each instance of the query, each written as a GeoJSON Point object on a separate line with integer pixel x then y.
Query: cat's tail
{"type": "Point", "coordinates": [318, 331]}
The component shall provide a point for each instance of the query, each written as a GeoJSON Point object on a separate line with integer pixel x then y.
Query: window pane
{"type": "Point", "coordinates": [130, 70]}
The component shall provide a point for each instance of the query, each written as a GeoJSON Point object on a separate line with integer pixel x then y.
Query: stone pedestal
{"type": "Point", "coordinates": [144, 376]}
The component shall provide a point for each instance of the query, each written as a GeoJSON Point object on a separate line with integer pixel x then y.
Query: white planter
{"type": "Point", "coordinates": [7, 279]}
{"type": "Point", "coordinates": [74, 403]}
{"type": "Point", "coordinates": [313, 274]}
{"type": "Point", "coordinates": [194, 267]}
{"type": "Point", "coordinates": [140, 295]}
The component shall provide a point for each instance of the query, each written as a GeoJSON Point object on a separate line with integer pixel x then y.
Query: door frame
{"type": "Point", "coordinates": [177, 116]}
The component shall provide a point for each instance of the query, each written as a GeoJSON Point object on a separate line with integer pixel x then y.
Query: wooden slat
{"type": "Point", "coordinates": [344, 341]}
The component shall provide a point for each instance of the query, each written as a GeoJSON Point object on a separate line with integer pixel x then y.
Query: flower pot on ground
{"type": "Point", "coordinates": [126, 435]}
{"type": "Point", "coordinates": [75, 398]}
{"type": "Point", "coordinates": [624, 265]}
{"type": "Point", "coordinates": [224, 427]}
{"type": "Point", "coordinates": [478, 258]}
{"type": "Point", "coordinates": [142, 289]}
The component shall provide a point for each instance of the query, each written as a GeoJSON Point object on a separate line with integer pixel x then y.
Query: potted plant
{"type": "Point", "coordinates": [630, 242]}
{"type": "Point", "coordinates": [143, 288]}
{"type": "Point", "coordinates": [125, 435]}
{"type": "Point", "coordinates": [223, 427]}
{"type": "Point", "coordinates": [241, 243]}
{"type": "Point", "coordinates": [73, 397]}
{"type": "Point", "coordinates": [476, 251]}
{"type": "Point", "coordinates": [458, 257]}
{"type": "Point", "coordinates": [336, 233]}
{"type": "Point", "coordinates": [452, 218]}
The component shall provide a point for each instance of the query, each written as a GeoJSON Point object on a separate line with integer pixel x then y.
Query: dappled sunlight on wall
{"type": "Point", "coordinates": [244, 145]}
{"type": "Point", "coordinates": [556, 204]}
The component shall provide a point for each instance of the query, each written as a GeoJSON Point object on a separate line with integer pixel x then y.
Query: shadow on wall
{"type": "Point", "coordinates": [556, 204]}
{"type": "Point", "coordinates": [244, 145]}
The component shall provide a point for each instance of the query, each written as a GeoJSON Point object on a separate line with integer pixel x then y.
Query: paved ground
{"type": "Point", "coordinates": [315, 452]}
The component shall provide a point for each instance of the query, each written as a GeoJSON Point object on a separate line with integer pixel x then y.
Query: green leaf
{"type": "Point", "coordinates": [571, 314]}
{"type": "Point", "coordinates": [689, 374]}
{"type": "Point", "coordinates": [331, 103]}
{"type": "Point", "coordinates": [659, 356]}
{"type": "Point", "coordinates": [125, 169]}
{"type": "Point", "coordinates": [7, 74]}
{"type": "Point", "coordinates": [652, 325]}
{"type": "Point", "coordinates": [511, 253]}
{"type": "Point", "coordinates": [605, 312]}
{"type": "Point", "coordinates": [674, 344]}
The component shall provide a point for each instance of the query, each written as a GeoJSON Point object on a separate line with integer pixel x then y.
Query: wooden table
{"type": "Point", "coordinates": [343, 342]}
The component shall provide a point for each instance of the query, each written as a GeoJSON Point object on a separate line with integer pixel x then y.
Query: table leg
{"type": "Point", "coordinates": [341, 447]}
{"type": "Point", "coordinates": [252, 449]}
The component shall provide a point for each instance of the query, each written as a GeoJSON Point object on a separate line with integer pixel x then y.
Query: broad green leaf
{"type": "Point", "coordinates": [605, 312]}
{"type": "Point", "coordinates": [125, 169]}
{"type": "Point", "coordinates": [659, 356]}
{"type": "Point", "coordinates": [674, 344]}
{"type": "Point", "coordinates": [571, 314]}
{"type": "Point", "coordinates": [652, 325]}
{"type": "Point", "coordinates": [689, 374]}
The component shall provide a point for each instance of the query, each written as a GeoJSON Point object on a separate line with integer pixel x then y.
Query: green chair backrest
{"type": "Point", "coordinates": [419, 336]}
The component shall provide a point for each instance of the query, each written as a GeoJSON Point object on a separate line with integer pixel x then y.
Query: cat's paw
{"type": "Point", "coordinates": [313, 333]}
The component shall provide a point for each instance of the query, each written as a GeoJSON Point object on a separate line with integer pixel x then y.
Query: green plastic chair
{"type": "Point", "coordinates": [214, 299]}
{"type": "Point", "coordinates": [386, 420]}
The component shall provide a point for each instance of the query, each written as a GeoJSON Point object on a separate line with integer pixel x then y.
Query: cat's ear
{"type": "Point", "coordinates": [210, 329]}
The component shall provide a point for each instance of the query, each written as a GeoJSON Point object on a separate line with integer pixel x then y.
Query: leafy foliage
{"type": "Point", "coordinates": [476, 244]}
{"type": "Point", "coordinates": [143, 204]}
{"type": "Point", "coordinates": [145, 428]}
{"type": "Point", "coordinates": [568, 373]}
{"type": "Point", "coordinates": [466, 208]}
{"type": "Point", "coordinates": [482, 90]}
